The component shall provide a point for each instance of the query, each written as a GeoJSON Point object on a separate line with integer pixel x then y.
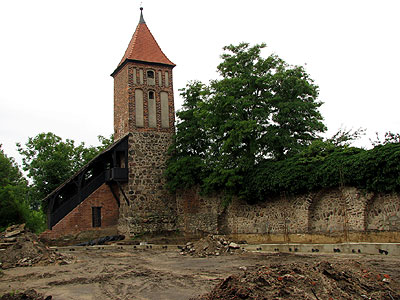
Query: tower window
{"type": "Point", "coordinates": [134, 75]}
{"type": "Point", "coordinates": [96, 216]}
{"type": "Point", "coordinates": [150, 77]}
{"type": "Point", "coordinates": [152, 110]}
{"type": "Point", "coordinates": [151, 95]}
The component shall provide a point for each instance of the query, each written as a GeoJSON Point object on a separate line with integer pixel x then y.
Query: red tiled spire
{"type": "Point", "coordinates": [143, 46]}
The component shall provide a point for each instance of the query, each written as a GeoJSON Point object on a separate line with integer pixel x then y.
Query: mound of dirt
{"type": "Point", "coordinates": [322, 280]}
{"type": "Point", "coordinates": [27, 295]}
{"type": "Point", "coordinates": [22, 248]}
{"type": "Point", "coordinates": [211, 245]}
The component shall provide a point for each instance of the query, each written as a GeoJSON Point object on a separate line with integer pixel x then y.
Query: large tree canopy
{"type": "Point", "coordinates": [49, 161]}
{"type": "Point", "coordinates": [260, 108]}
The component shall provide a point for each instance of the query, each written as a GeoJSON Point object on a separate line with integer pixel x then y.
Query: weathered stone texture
{"type": "Point", "coordinates": [328, 211]}
{"type": "Point", "coordinates": [277, 215]}
{"type": "Point", "coordinates": [151, 207]}
{"type": "Point", "coordinates": [193, 206]}
{"type": "Point", "coordinates": [383, 213]}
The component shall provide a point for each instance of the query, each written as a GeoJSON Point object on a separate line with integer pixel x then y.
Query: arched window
{"type": "Point", "coordinates": [150, 77]}
{"type": "Point", "coordinates": [152, 109]}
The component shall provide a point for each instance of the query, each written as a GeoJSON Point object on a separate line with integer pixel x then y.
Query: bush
{"type": "Point", "coordinates": [375, 170]}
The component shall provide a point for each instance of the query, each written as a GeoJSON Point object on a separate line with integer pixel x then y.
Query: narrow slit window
{"type": "Point", "coordinates": [134, 76]}
{"type": "Point", "coordinates": [152, 110]}
{"type": "Point", "coordinates": [150, 77]}
{"type": "Point", "coordinates": [96, 216]}
{"type": "Point", "coordinates": [151, 95]}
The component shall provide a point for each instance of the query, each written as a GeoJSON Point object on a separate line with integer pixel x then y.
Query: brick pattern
{"type": "Point", "coordinates": [80, 218]}
{"type": "Point", "coordinates": [121, 104]}
{"type": "Point", "coordinates": [124, 98]}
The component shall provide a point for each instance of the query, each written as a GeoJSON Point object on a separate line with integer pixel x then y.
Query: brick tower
{"type": "Point", "coordinates": [144, 109]}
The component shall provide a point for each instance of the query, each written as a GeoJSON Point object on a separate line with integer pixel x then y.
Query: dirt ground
{"type": "Point", "coordinates": [128, 273]}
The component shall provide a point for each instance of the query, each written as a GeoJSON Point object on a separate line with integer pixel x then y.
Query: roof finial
{"type": "Point", "coordinates": [141, 15]}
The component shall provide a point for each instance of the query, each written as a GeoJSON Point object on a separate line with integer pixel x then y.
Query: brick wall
{"type": "Point", "coordinates": [121, 108]}
{"type": "Point", "coordinates": [124, 98]}
{"type": "Point", "coordinates": [80, 218]}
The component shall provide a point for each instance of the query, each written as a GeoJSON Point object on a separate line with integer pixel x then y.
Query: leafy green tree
{"type": "Point", "coordinates": [260, 108]}
{"type": "Point", "coordinates": [14, 207]}
{"type": "Point", "coordinates": [190, 146]}
{"type": "Point", "coordinates": [49, 161]}
{"type": "Point", "coordinates": [13, 188]}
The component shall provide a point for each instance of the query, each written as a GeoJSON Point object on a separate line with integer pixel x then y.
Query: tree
{"type": "Point", "coordinates": [14, 208]}
{"type": "Point", "coordinates": [260, 108]}
{"type": "Point", "coordinates": [12, 189]}
{"type": "Point", "coordinates": [49, 161]}
{"type": "Point", "coordinates": [389, 138]}
{"type": "Point", "coordinates": [188, 151]}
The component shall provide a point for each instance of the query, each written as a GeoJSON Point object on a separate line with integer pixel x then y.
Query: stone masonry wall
{"type": "Point", "coordinates": [383, 212]}
{"type": "Point", "coordinates": [278, 215]}
{"type": "Point", "coordinates": [325, 212]}
{"type": "Point", "coordinates": [193, 206]}
{"type": "Point", "coordinates": [80, 218]}
{"type": "Point", "coordinates": [151, 207]}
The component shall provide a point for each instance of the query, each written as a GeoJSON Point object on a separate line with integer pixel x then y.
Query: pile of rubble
{"type": "Point", "coordinates": [27, 295]}
{"type": "Point", "coordinates": [211, 246]}
{"type": "Point", "coordinates": [322, 280]}
{"type": "Point", "coordinates": [20, 248]}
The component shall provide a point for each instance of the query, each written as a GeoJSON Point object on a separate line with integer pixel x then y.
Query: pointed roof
{"type": "Point", "coordinates": [143, 47]}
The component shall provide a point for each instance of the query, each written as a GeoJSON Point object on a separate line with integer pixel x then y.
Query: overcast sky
{"type": "Point", "coordinates": [56, 57]}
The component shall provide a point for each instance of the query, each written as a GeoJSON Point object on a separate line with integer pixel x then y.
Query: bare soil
{"type": "Point", "coordinates": [129, 273]}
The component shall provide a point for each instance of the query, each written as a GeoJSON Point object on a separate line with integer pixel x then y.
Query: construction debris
{"type": "Point", "coordinates": [21, 248]}
{"type": "Point", "coordinates": [103, 240]}
{"type": "Point", "coordinates": [322, 280]}
{"type": "Point", "coordinates": [27, 295]}
{"type": "Point", "coordinates": [211, 245]}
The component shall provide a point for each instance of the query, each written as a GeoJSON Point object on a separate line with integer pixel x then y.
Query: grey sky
{"type": "Point", "coordinates": [56, 57]}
